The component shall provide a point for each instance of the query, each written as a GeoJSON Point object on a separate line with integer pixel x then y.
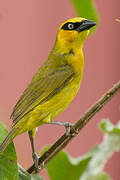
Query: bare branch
{"type": "Point", "coordinates": [75, 129]}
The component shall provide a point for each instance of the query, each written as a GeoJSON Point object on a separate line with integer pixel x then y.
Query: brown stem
{"type": "Point", "coordinates": [75, 129]}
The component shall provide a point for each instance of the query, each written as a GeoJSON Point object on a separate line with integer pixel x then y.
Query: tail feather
{"type": "Point", "coordinates": [8, 139]}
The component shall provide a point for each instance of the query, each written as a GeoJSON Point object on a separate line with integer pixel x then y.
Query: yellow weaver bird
{"type": "Point", "coordinates": [54, 85]}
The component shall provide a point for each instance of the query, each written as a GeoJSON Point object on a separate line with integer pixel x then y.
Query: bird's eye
{"type": "Point", "coordinates": [70, 26]}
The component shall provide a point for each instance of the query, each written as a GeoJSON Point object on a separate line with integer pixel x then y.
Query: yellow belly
{"type": "Point", "coordinates": [47, 111]}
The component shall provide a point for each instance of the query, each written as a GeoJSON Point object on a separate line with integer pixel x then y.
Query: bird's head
{"type": "Point", "coordinates": [73, 33]}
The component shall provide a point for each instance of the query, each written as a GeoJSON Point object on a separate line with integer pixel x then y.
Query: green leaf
{"type": "Point", "coordinates": [108, 127]}
{"type": "Point", "coordinates": [86, 9]}
{"type": "Point", "coordinates": [24, 175]}
{"type": "Point", "coordinates": [8, 159]}
{"type": "Point", "coordinates": [102, 176]}
{"type": "Point", "coordinates": [64, 167]}
{"type": "Point", "coordinates": [99, 176]}
{"type": "Point", "coordinates": [36, 177]}
{"type": "Point", "coordinates": [101, 154]}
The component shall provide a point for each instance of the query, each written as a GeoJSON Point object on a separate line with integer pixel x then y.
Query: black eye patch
{"type": "Point", "coordinates": [71, 26]}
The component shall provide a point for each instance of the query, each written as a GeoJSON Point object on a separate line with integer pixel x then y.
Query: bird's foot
{"type": "Point", "coordinates": [36, 161]}
{"type": "Point", "coordinates": [70, 131]}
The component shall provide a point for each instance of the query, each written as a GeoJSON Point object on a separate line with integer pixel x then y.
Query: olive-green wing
{"type": "Point", "coordinates": [41, 90]}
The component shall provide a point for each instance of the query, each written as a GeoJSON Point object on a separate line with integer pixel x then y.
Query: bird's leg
{"type": "Point", "coordinates": [34, 155]}
{"type": "Point", "coordinates": [66, 125]}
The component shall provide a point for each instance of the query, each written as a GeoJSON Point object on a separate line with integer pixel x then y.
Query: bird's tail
{"type": "Point", "coordinates": [8, 139]}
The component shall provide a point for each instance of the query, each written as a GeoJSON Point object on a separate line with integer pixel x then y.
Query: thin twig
{"type": "Point", "coordinates": [118, 20]}
{"type": "Point", "coordinates": [75, 129]}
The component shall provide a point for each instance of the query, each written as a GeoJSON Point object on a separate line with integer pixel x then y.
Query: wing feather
{"type": "Point", "coordinates": [41, 90]}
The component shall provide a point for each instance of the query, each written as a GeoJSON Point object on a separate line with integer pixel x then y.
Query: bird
{"type": "Point", "coordinates": [54, 85]}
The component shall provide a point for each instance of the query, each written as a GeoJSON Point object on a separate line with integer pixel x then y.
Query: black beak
{"type": "Point", "coordinates": [85, 25]}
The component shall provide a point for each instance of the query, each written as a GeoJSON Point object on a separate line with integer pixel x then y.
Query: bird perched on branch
{"type": "Point", "coordinates": [54, 85]}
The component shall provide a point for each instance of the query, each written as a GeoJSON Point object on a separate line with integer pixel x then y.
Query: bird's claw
{"type": "Point", "coordinates": [70, 130]}
{"type": "Point", "coordinates": [36, 160]}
